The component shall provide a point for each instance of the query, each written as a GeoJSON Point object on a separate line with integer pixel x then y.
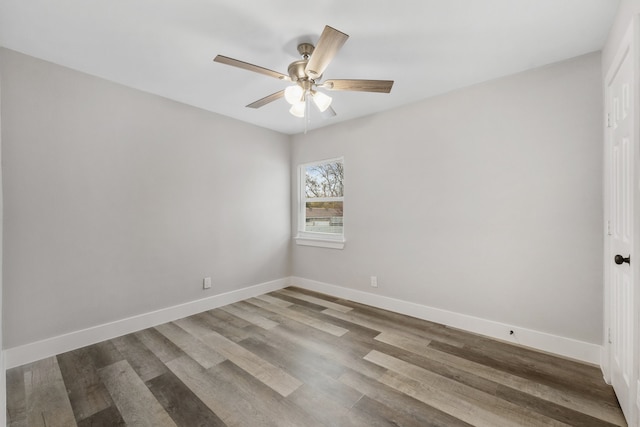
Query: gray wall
{"type": "Point", "coordinates": [486, 201]}
{"type": "Point", "coordinates": [118, 202]}
{"type": "Point", "coordinates": [626, 11]}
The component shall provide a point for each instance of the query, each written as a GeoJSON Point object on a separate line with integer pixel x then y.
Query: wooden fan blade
{"type": "Point", "coordinates": [267, 99]}
{"type": "Point", "coordinates": [250, 67]}
{"type": "Point", "coordinates": [331, 40]}
{"type": "Point", "coordinates": [382, 86]}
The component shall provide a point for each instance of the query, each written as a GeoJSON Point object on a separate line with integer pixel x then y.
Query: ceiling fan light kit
{"type": "Point", "coordinates": [294, 94]}
{"type": "Point", "coordinates": [298, 110]}
{"type": "Point", "coordinates": [306, 73]}
{"type": "Point", "coordinates": [322, 101]}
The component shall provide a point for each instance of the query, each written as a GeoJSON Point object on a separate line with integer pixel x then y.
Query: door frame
{"type": "Point", "coordinates": [630, 43]}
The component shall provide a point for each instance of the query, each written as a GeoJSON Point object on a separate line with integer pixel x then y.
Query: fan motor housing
{"type": "Point", "coordinates": [296, 70]}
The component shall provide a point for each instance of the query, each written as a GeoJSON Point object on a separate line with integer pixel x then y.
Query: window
{"type": "Point", "coordinates": [321, 203]}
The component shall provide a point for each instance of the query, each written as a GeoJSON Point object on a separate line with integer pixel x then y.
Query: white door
{"type": "Point", "coordinates": [620, 257]}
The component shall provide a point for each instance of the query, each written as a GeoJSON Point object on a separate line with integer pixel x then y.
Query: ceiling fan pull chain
{"type": "Point", "coordinates": [306, 112]}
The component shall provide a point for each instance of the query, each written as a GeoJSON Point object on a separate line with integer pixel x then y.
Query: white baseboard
{"type": "Point", "coordinates": [562, 346]}
{"type": "Point", "coordinates": [567, 347]}
{"type": "Point", "coordinates": [31, 352]}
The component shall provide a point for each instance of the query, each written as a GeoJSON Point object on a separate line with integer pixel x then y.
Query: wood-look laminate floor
{"type": "Point", "coordinates": [297, 358]}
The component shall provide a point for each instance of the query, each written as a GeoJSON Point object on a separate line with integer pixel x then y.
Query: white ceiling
{"type": "Point", "coordinates": [428, 47]}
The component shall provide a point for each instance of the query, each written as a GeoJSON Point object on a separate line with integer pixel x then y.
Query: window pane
{"type": "Point", "coordinates": [324, 217]}
{"type": "Point", "coordinates": [324, 180]}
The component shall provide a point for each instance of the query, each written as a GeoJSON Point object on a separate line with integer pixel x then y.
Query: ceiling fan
{"type": "Point", "coordinates": [306, 75]}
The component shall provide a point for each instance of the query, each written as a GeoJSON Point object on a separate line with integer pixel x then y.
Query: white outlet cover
{"type": "Point", "coordinates": [207, 283]}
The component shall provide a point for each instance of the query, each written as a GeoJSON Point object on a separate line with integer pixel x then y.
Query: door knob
{"type": "Point", "coordinates": [619, 259]}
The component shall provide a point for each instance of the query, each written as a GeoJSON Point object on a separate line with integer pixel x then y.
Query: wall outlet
{"type": "Point", "coordinates": [206, 284]}
{"type": "Point", "coordinates": [374, 281]}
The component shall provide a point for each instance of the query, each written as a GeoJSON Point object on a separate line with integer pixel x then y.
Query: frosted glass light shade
{"type": "Point", "coordinates": [321, 100]}
{"type": "Point", "coordinates": [293, 94]}
{"type": "Point", "coordinates": [298, 109]}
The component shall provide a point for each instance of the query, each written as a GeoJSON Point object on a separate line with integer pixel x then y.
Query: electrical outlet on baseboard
{"type": "Point", "coordinates": [374, 281]}
{"type": "Point", "coordinates": [206, 283]}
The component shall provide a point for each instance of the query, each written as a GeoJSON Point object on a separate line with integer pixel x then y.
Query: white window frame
{"type": "Point", "coordinates": [314, 238]}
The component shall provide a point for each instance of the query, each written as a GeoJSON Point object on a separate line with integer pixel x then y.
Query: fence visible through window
{"type": "Point", "coordinates": [324, 197]}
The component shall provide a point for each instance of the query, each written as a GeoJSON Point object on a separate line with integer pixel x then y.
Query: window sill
{"type": "Point", "coordinates": [319, 241]}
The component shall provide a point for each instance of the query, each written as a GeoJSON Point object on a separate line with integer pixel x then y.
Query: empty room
{"type": "Point", "coordinates": [355, 213]}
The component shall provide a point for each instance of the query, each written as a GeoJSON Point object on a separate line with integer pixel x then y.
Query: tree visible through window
{"type": "Point", "coordinates": [324, 197]}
